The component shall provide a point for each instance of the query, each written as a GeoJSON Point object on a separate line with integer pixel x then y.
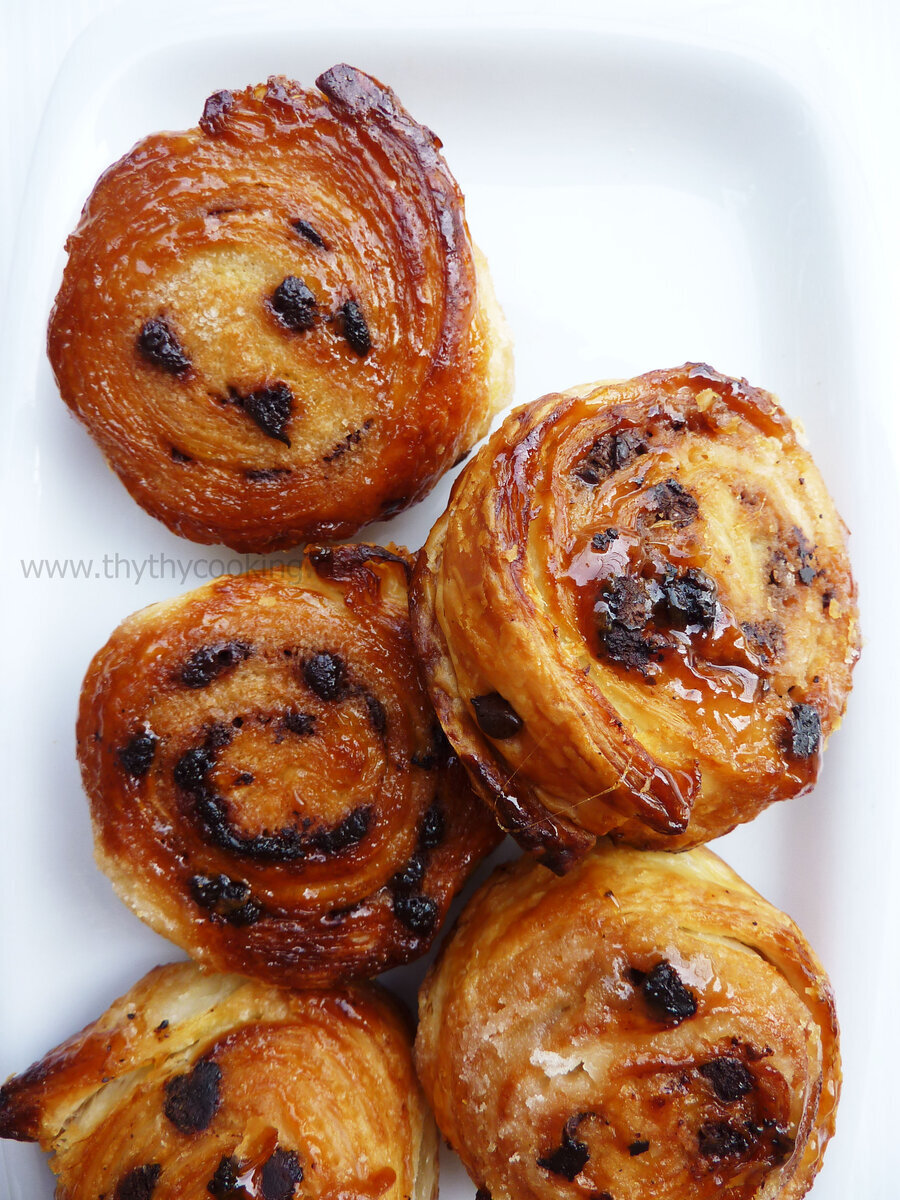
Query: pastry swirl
{"type": "Point", "coordinates": [275, 325]}
{"type": "Point", "coordinates": [213, 1085]}
{"type": "Point", "coordinates": [646, 1025]}
{"type": "Point", "coordinates": [268, 785]}
{"type": "Point", "coordinates": [637, 613]}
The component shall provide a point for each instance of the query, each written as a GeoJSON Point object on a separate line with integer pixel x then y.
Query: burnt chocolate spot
{"type": "Point", "coordinates": [409, 880]}
{"type": "Point", "coordinates": [280, 1176]}
{"type": "Point", "coordinates": [729, 1077]}
{"type": "Point", "coordinates": [209, 662]}
{"type": "Point", "coordinates": [301, 723]}
{"type": "Point", "coordinates": [215, 111]}
{"type": "Point", "coordinates": [179, 456]}
{"type": "Point", "coordinates": [136, 756]}
{"type": "Point", "coordinates": [158, 344]}
{"type": "Point", "coordinates": [418, 913]}
{"type": "Point", "coordinates": [270, 408]}
{"type": "Point", "coordinates": [354, 328]}
{"type": "Point", "coordinates": [603, 540]}
{"type": "Point", "coordinates": [139, 1183]}
{"type": "Point", "coordinates": [718, 1140]}
{"type": "Point", "coordinates": [191, 769]}
{"type": "Point", "coordinates": [640, 1146]}
{"type": "Point", "coordinates": [227, 898]}
{"type": "Point", "coordinates": [672, 502]}
{"type": "Point", "coordinates": [806, 730]}
{"type": "Point", "coordinates": [432, 831]}
{"type": "Point", "coordinates": [225, 1181]}
{"type": "Point", "coordinates": [306, 231]}
{"type": "Point", "coordinates": [294, 304]}
{"type": "Point", "coordinates": [666, 995]}
{"type": "Point", "coordinates": [377, 714]}
{"type": "Point", "coordinates": [345, 834]}
{"type": "Point", "coordinates": [267, 474]}
{"type": "Point", "coordinates": [766, 639]}
{"type": "Point", "coordinates": [496, 717]}
{"type": "Point", "coordinates": [690, 599]}
{"type": "Point", "coordinates": [324, 674]}
{"type": "Point", "coordinates": [192, 1099]}
{"type": "Point", "coordinates": [350, 439]}
{"type": "Point", "coordinates": [610, 453]}
{"type": "Point", "coordinates": [571, 1156]}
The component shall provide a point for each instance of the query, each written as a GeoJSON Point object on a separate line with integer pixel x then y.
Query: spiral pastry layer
{"type": "Point", "coordinates": [637, 613]}
{"type": "Point", "coordinates": [646, 1025]}
{"type": "Point", "coordinates": [268, 784]}
{"type": "Point", "coordinates": [196, 1085]}
{"type": "Point", "coordinates": [275, 325]}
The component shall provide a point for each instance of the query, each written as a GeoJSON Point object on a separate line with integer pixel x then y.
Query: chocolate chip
{"type": "Point", "coordinates": [623, 610]}
{"type": "Point", "coordinates": [139, 1183]}
{"type": "Point", "coordinates": [571, 1157]}
{"type": "Point", "coordinates": [215, 110]}
{"type": "Point", "coordinates": [418, 913]}
{"type": "Point", "coordinates": [227, 898]}
{"type": "Point", "coordinates": [191, 769]}
{"type": "Point", "coordinates": [347, 833]}
{"type": "Point", "coordinates": [806, 730]}
{"type": "Point", "coordinates": [209, 662]}
{"type": "Point", "coordinates": [244, 779]}
{"type": "Point", "coordinates": [496, 717]}
{"type": "Point", "coordinates": [179, 456]}
{"type": "Point", "coordinates": [672, 502]}
{"type": "Point", "coordinates": [192, 1099]}
{"type": "Point", "coordinates": [690, 599]}
{"type": "Point", "coordinates": [610, 453]}
{"type": "Point", "coordinates": [409, 880]}
{"type": "Point", "coordinates": [630, 600]}
{"type": "Point", "coordinates": [280, 1176]}
{"type": "Point", "coordinates": [377, 715]}
{"type": "Point", "coordinates": [729, 1077]}
{"type": "Point", "coordinates": [324, 674]}
{"type": "Point", "coordinates": [137, 754]}
{"type": "Point", "coordinates": [431, 833]}
{"type": "Point", "coordinates": [271, 409]}
{"type": "Point", "coordinates": [718, 1140]}
{"type": "Point", "coordinates": [294, 304]}
{"type": "Point", "coordinates": [301, 723]}
{"type": "Point", "coordinates": [225, 1180]}
{"type": "Point", "coordinates": [482, 1194]}
{"type": "Point", "coordinates": [306, 230]}
{"type": "Point", "coordinates": [603, 540]}
{"type": "Point", "coordinates": [641, 1146]}
{"type": "Point", "coordinates": [354, 328]}
{"type": "Point", "coordinates": [666, 995]}
{"type": "Point", "coordinates": [284, 845]}
{"type": "Point", "coordinates": [159, 345]}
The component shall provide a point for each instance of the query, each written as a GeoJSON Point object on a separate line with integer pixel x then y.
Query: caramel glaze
{"type": "Point", "coordinates": [190, 1082]}
{"type": "Point", "coordinates": [646, 1025]}
{"type": "Point", "coordinates": [653, 576]}
{"type": "Point", "coordinates": [268, 785]}
{"type": "Point", "coordinates": [275, 325]}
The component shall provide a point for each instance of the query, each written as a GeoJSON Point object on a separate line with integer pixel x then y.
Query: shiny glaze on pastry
{"type": "Point", "coordinates": [197, 1085]}
{"type": "Point", "coordinates": [268, 784]}
{"type": "Point", "coordinates": [637, 613]}
{"type": "Point", "coordinates": [646, 1025]}
{"type": "Point", "coordinates": [275, 325]}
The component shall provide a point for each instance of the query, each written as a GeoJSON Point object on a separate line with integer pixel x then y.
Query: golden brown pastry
{"type": "Point", "coordinates": [196, 1085]}
{"type": "Point", "coordinates": [637, 613]}
{"type": "Point", "coordinates": [269, 787]}
{"type": "Point", "coordinates": [645, 1026]}
{"type": "Point", "coordinates": [275, 325]}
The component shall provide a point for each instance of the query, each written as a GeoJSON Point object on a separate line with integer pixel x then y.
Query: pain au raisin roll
{"type": "Point", "coordinates": [646, 1025]}
{"type": "Point", "coordinates": [637, 613]}
{"type": "Point", "coordinates": [196, 1085]}
{"type": "Point", "coordinates": [269, 787]}
{"type": "Point", "coordinates": [275, 325]}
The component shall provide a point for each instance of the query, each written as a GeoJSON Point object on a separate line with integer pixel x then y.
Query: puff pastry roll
{"type": "Point", "coordinates": [196, 1085]}
{"type": "Point", "coordinates": [646, 1025]}
{"type": "Point", "coordinates": [268, 785]}
{"type": "Point", "coordinates": [275, 325]}
{"type": "Point", "coordinates": [637, 613]}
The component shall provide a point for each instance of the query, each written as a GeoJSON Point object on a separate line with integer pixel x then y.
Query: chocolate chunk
{"type": "Point", "coordinates": [630, 600]}
{"type": "Point", "coordinates": [271, 409]}
{"type": "Point", "coordinates": [139, 1183]}
{"type": "Point", "coordinates": [641, 1146]}
{"type": "Point", "coordinates": [215, 111]}
{"type": "Point", "coordinates": [284, 845]}
{"type": "Point", "coordinates": [354, 328]}
{"type": "Point", "coordinates": [569, 1158]}
{"type": "Point", "coordinates": [629, 647]}
{"type": "Point", "coordinates": [225, 1180]}
{"type": "Point", "coordinates": [347, 833]}
{"type": "Point", "coordinates": [192, 1099]}
{"type": "Point", "coordinates": [301, 723]}
{"type": "Point", "coordinates": [209, 662]}
{"type": "Point", "coordinates": [306, 230]}
{"type": "Point", "coordinates": [227, 898]}
{"type": "Point", "coordinates": [672, 502]}
{"type": "Point", "coordinates": [623, 611]}
{"type": "Point", "coordinates": [806, 730]}
{"type": "Point", "coordinates": [159, 345]}
{"type": "Point", "coordinates": [137, 754]}
{"type": "Point", "coordinates": [324, 674]}
{"type": "Point", "coordinates": [191, 769]}
{"type": "Point", "coordinates": [496, 717]}
{"type": "Point", "coordinates": [267, 474]}
{"type": "Point", "coordinates": [718, 1140]}
{"type": "Point", "coordinates": [666, 995]}
{"type": "Point", "coordinates": [603, 540]}
{"type": "Point", "coordinates": [418, 913]}
{"type": "Point", "coordinates": [294, 304]}
{"type": "Point", "coordinates": [730, 1078]}
{"type": "Point", "coordinates": [280, 1176]}
{"type": "Point", "coordinates": [377, 715]}
{"type": "Point", "coordinates": [766, 638]}
{"type": "Point", "coordinates": [690, 599]}
{"type": "Point", "coordinates": [179, 456]}
{"type": "Point", "coordinates": [431, 834]}
{"type": "Point", "coordinates": [610, 453]}
{"type": "Point", "coordinates": [409, 880]}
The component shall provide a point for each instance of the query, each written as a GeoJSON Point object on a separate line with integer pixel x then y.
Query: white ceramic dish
{"type": "Point", "coordinates": [641, 202]}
